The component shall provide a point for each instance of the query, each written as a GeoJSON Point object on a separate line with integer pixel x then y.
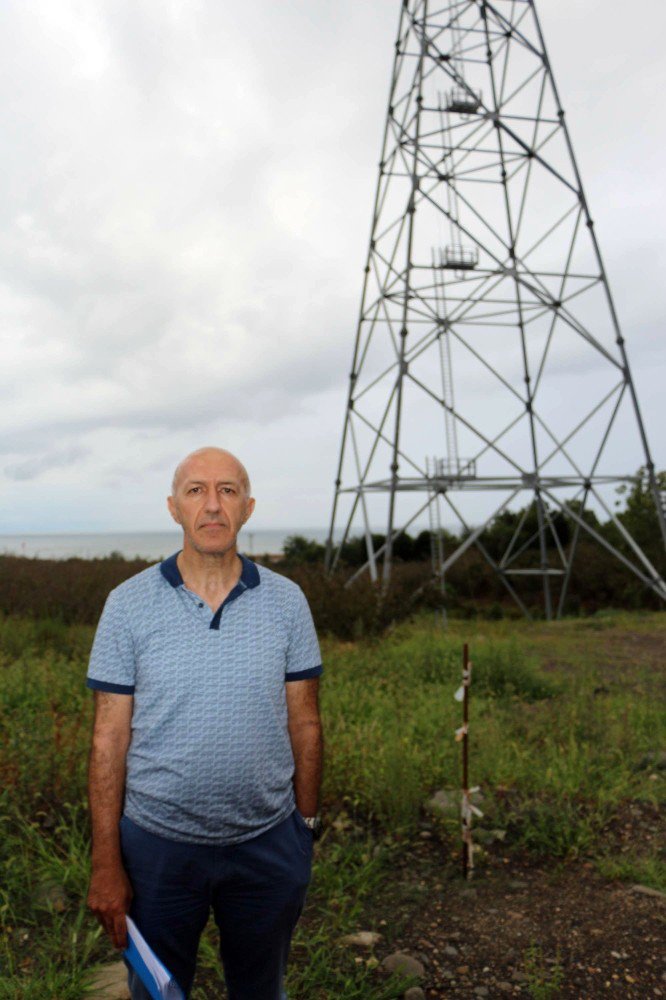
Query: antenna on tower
{"type": "Point", "coordinates": [487, 335]}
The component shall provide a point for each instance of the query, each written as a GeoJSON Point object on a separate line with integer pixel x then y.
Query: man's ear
{"type": "Point", "coordinates": [173, 510]}
{"type": "Point", "coordinates": [249, 510]}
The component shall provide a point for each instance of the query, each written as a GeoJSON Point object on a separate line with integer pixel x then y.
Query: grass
{"type": "Point", "coordinates": [560, 713]}
{"type": "Point", "coordinates": [542, 982]}
{"type": "Point", "coordinates": [636, 867]}
{"type": "Point", "coordinates": [47, 940]}
{"type": "Point", "coordinates": [564, 750]}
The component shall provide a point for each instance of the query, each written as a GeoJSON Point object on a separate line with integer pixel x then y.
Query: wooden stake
{"type": "Point", "coordinates": [467, 810]}
{"type": "Point", "coordinates": [468, 861]}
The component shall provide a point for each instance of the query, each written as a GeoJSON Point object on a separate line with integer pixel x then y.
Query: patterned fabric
{"type": "Point", "coordinates": [210, 758]}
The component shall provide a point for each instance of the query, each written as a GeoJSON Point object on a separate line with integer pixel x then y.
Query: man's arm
{"type": "Point", "coordinates": [305, 733]}
{"type": "Point", "coordinates": [110, 892]}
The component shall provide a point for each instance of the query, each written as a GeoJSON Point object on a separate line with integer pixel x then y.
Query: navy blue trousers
{"type": "Point", "coordinates": [256, 890]}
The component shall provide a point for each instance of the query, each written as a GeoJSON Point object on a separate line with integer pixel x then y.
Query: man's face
{"type": "Point", "coordinates": [210, 502]}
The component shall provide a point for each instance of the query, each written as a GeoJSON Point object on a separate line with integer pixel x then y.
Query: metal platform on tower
{"type": "Point", "coordinates": [462, 101]}
{"type": "Point", "coordinates": [460, 258]}
{"type": "Point", "coordinates": [487, 326]}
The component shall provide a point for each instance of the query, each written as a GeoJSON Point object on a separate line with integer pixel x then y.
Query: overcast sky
{"type": "Point", "coordinates": [184, 213]}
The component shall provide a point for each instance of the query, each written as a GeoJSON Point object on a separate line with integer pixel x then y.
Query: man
{"type": "Point", "coordinates": [207, 746]}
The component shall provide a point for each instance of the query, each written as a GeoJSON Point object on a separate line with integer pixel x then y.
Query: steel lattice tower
{"type": "Point", "coordinates": [486, 322]}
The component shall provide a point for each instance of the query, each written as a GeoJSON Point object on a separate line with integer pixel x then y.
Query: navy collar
{"type": "Point", "coordinates": [249, 577]}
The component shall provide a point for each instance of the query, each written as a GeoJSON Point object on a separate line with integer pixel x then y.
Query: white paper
{"type": "Point", "coordinates": [166, 984]}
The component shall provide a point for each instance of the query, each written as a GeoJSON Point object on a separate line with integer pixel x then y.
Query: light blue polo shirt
{"type": "Point", "coordinates": [210, 759]}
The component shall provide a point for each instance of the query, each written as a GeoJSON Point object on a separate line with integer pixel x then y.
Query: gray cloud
{"type": "Point", "coordinates": [35, 466]}
{"type": "Point", "coordinates": [184, 217]}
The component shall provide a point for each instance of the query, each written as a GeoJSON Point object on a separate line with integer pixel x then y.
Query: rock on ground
{"type": "Point", "coordinates": [51, 896]}
{"type": "Point", "coordinates": [646, 890]}
{"type": "Point", "coordinates": [110, 983]}
{"type": "Point", "coordinates": [364, 939]}
{"type": "Point", "coordinates": [443, 803]}
{"type": "Point", "coordinates": [415, 993]}
{"type": "Point", "coordinates": [405, 964]}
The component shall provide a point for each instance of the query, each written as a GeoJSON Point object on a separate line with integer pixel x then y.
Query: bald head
{"type": "Point", "coordinates": [190, 461]}
{"type": "Point", "coordinates": [210, 501]}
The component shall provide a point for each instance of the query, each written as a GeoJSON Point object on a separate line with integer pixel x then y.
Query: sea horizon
{"type": "Point", "coordinates": [138, 544]}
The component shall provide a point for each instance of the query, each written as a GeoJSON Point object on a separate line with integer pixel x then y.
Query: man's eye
{"type": "Point", "coordinates": [227, 489]}
{"type": "Point", "coordinates": [194, 489]}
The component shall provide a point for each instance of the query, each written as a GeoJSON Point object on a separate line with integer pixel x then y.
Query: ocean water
{"type": "Point", "coordinates": [152, 545]}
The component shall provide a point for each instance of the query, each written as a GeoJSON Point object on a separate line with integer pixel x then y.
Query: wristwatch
{"type": "Point", "coordinates": [313, 824]}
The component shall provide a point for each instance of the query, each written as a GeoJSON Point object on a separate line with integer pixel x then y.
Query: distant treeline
{"type": "Point", "coordinates": [638, 516]}
{"type": "Point", "coordinates": [74, 590]}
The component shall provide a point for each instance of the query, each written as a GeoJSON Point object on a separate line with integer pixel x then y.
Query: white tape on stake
{"type": "Point", "coordinates": [467, 679]}
{"type": "Point", "coordinates": [467, 807]}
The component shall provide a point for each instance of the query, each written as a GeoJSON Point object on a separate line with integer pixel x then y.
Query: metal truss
{"type": "Point", "coordinates": [487, 327]}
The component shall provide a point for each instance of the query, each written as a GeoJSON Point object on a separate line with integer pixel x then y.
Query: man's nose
{"type": "Point", "coordinates": [212, 500]}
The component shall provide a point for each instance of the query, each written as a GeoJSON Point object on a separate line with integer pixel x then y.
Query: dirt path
{"type": "Point", "coordinates": [473, 938]}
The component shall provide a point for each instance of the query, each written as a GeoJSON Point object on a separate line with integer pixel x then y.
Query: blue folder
{"type": "Point", "coordinates": [151, 971]}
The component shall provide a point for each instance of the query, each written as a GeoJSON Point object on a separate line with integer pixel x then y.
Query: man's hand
{"type": "Point", "coordinates": [109, 898]}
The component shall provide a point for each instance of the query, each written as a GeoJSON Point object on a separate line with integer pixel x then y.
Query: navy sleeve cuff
{"type": "Point", "coordinates": [304, 675]}
{"type": "Point", "coordinates": [111, 688]}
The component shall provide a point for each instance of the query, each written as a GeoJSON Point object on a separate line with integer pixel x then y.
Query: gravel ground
{"type": "Point", "coordinates": [473, 937]}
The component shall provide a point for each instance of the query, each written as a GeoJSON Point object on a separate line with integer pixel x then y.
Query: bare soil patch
{"type": "Point", "coordinates": [606, 938]}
